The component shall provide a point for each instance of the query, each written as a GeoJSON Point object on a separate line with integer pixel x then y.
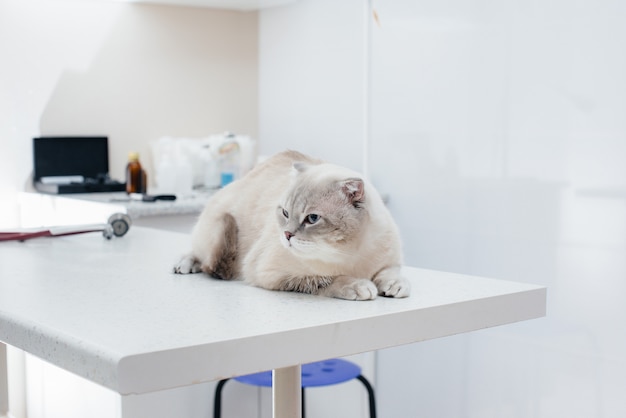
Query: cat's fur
{"type": "Point", "coordinates": [258, 229]}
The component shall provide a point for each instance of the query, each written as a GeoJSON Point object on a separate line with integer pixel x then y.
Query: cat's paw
{"type": "Point", "coordinates": [352, 289]}
{"type": "Point", "coordinates": [187, 265]}
{"type": "Point", "coordinates": [389, 283]}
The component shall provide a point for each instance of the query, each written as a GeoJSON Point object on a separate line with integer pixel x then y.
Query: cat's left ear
{"type": "Point", "coordinates": [300, 167]}
{"type": "Point", "coordinates": [353, 189]}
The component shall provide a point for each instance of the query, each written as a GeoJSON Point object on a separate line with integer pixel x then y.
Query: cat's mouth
{"type": "Point", "coordinates": [297, 245]}
{"type": "Point", "coordinates": [291, 243]}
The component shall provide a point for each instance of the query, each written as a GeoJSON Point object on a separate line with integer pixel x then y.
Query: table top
{"type": "Point", "coordinates": [190, 204]}
{"type": "Point", "coordinates": [114, 313]}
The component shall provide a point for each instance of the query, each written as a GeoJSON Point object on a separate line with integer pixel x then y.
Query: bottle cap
{"type": "Point", "coordinates": [133, 156]}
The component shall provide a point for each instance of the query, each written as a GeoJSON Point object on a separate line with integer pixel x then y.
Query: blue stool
{"type": "Point", "coordinates": [321, 373]}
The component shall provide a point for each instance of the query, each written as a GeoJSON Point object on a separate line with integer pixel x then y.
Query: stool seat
{"type": "Point", "coordinates": [321, 373]}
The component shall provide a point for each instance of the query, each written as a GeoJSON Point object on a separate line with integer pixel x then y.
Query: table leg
{"type": "Point", "coordinates": [4, 381]}
{"type": "Point", "coordinates": [287, 392]}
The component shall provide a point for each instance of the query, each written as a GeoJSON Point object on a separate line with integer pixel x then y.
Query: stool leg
{"type": "Point", "coordinates": [370, 392]}
{"type": "Point", "coordinates": [217, 403]}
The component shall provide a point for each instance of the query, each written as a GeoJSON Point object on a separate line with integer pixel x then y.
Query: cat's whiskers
{"type": "Point", "coordinates": [302, 245]}
{"type": "Point", "coordinates": [344, 254]}
{"type": "Point", "coordinates": [330, 253]}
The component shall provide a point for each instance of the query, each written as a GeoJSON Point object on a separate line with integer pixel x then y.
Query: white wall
{"type": "Point", "coordinates": [498, 132]}
{"type": "Point", "coordinates": [311, 80]}
{"type": "Point", "coordinates": [132, 72]}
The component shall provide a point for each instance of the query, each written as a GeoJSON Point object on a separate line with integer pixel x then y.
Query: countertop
{"type": "Point", "coordinates": [40, 209]}
{"type": "Point", "coordinates": [114, 313]}
{"type": "Point", "coordinates": [192, 203]}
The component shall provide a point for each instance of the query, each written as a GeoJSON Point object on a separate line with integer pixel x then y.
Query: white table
{"type": "Point", "coordinates": [112, 312]}
{"type": "Point", "coordinates": [37, 209]}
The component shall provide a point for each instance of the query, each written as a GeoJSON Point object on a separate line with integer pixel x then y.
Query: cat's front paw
{"type": "Point", "coordinates": [389, 283]}
{"type": "Point", "coordinates": [352, 289]}
{"type": "Point", "coordinates": [187, 265]}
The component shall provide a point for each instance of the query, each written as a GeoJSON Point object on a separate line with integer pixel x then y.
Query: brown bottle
{"type": "Point", "coordinates": [135, 175]}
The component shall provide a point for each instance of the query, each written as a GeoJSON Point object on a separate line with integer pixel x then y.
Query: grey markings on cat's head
{"type": "Point", "coordinates": [321, 213]}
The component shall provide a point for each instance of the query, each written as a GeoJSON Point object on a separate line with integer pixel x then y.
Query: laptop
{"type": "Point", "coordinates": [73, 164]}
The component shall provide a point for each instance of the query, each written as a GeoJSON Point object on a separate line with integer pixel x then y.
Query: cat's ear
{"type": "Point", "coordinates": [300, 167]}
{"type": "Point", "coordinates": [353, 189]}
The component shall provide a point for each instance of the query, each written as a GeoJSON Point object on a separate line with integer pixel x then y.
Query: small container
{"type": "Point", "coordinates": [184, 178]}
{"type": "Point", "coordinates": [229, 163]}
{"type": "Point", "coordinates": [136, 179]}
{"type": "Point", "coordinates": [166, 175]}
{"type": "Point", "coordinates": [211, 169]}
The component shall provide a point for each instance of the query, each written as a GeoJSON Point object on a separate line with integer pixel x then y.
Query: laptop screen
{"type": "Point", "coordinates": [70, 156]}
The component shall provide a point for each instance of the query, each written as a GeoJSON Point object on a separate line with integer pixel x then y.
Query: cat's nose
{"type": "Point", "coordinates": [288, 235]}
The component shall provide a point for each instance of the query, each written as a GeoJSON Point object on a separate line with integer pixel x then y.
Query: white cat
{"type": "Point", "coordinates": [297, 224]}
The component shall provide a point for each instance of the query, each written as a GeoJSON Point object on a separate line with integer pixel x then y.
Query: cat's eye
{"type": "Point", "coordinates": [312, 218]}
{"type": "Point", "coordinates": [285, 214]}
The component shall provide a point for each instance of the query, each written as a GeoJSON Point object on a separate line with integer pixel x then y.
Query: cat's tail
{"type": "Point", "coordinates": [222, 263]}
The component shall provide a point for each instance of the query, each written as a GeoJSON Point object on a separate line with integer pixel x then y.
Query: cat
{"type": "Point", "coordinates": [295, 223]}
